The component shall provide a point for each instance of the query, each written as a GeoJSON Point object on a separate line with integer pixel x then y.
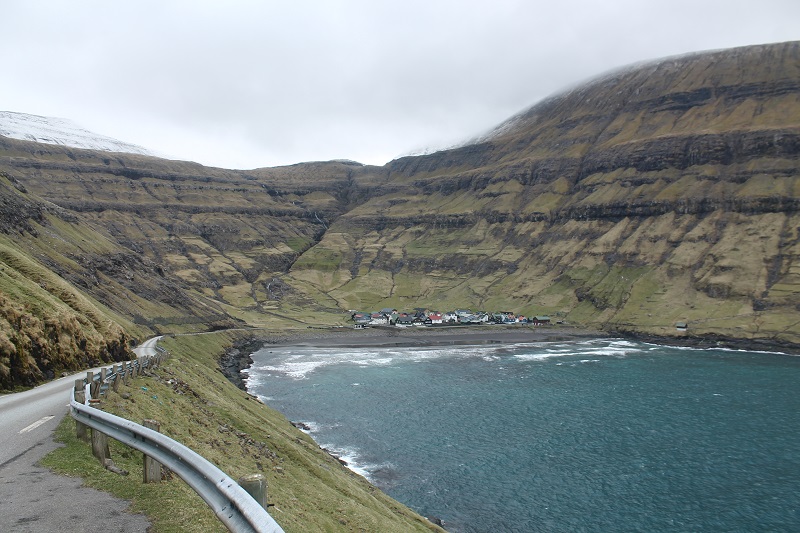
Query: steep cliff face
{"type": "Point", "coordinates": [661, 193]}
{"type": "Point", "coordinates": [184, 245]}
{"type": "Point", "coordinates": [47, 326]}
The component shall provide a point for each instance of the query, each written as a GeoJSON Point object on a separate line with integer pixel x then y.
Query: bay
{"type": "Point", "coordinates": [590, 435]}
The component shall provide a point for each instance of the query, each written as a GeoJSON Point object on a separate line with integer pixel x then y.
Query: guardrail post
{"type": "Point", "coordinates": [100, 446]}
{"type": "Point", "coordinates": [81, 431]}
{"type": "Point", "coordinates": [94, 386]}
{"type": "Point", "coordinates": [152, 468]}
{"type": "Point", "coordinates": [99, 440]}
{"type": "Point", "coordinates": [256, 486]}
{"type": "Point", "coordinates": [115, 383]}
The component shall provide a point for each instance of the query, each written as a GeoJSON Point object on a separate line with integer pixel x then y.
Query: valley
{"type": "Point", "coordinates": [654, 195]}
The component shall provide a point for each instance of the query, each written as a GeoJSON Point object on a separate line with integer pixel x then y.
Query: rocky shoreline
{"type": "Point", "coordinates": [717, 341]}
{"type": "Point", "coordinates": [238, 358]}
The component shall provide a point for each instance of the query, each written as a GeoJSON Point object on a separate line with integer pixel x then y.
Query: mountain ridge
{"type": "Point", "coordinates": [60, 131]}
{"type": "Point", "coordinates": [626, 149]}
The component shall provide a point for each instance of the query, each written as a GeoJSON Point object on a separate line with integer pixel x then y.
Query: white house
{"type": "Point", "coordinates": [378, 319]}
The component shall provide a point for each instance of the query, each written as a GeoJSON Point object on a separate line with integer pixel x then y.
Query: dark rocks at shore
{"type": "Point", "coordinates": [305, 428]}
{"type": "Point", "coordinates": [713, 341]}
{"type": "Point", "coordinates": [332, 454]}
{"type": "Point", "coordinates": [436, 520]}
{"type": "Point", "coordinates": [301, 425]}
{"type": "Point", "coordinates": [238, 358]}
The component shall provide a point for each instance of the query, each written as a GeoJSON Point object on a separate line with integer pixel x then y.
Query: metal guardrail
{"type": "Point", "coordinates": [230, 502]}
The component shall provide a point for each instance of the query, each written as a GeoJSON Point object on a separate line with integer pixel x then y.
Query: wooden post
{"type": "Point", "coordinates": [127, 377]}
{"type": "Point", "coordinates": [94, 386]}
{"type": "Point", "coordinates": [81, 430]}
{"type": "Point", "coordinates": [152, 468]}
{"type": "Point", "coordinates": [80, 392]}
{"type": "Point", "coordinates": [115, 383]}
{"type": "Point", "coordinates": [100, 446]}
{"type": "Point", "coordinates": [256, 486]}
{"type": "Point", "coordinates": [103, 376]}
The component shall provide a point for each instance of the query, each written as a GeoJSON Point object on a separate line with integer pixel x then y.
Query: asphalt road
{"type": "Point", "coordinates": [148, 347]}
{"type": "Point", "coordinates": [32, 498]}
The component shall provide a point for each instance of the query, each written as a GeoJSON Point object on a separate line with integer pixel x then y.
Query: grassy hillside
{"type": "Point", "coordinates": [196, 405]}
{"type": "Point", "coordinates": [663, 193]}
{"type": "Point", "coordinates": [47, 326]}
{"type": "Point", "coordinates": [181, 247]}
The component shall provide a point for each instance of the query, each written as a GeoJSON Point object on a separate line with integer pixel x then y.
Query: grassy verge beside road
{"type": "Point", "coordinates": [199, 407]}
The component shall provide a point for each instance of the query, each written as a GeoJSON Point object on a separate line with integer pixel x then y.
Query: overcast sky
{"type": "Point", "coordinates": [246, 84]}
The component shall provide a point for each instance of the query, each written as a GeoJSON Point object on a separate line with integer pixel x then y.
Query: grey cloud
{"type": "Point", "coordinates": [245, 84]}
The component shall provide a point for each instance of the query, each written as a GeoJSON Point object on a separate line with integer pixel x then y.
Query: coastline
{"type": "Point", "coordinates": [238, 358]}
{"type": "Point", "coordinates": [706, 342]}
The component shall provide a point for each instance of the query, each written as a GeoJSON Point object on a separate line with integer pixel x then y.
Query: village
{"type": "Point", "coordinates": [425, 317]}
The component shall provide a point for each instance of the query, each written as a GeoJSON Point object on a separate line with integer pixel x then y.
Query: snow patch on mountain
{"type": "Point", "coordinates": [49, 130]}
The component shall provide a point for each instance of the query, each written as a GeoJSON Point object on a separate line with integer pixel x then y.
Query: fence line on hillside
{"type": "Point", "coordinates": [231, 503]}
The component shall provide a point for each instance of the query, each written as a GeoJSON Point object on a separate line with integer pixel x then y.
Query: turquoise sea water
{"type": "Point", "coordinates": [600, 435]}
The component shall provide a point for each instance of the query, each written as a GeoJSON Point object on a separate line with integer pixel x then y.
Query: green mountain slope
{"type": "Point", "coordinates": [46, 325]}
{"type": "Point", "coordinates": [187, 247]}
{"type": "Point", "coordinates": [663, 193]}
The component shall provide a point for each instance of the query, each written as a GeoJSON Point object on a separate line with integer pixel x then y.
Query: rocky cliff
{"type": "Point", "coordinates": [183, 244]}
{"type": "Point", "coordinates": [662, 193]}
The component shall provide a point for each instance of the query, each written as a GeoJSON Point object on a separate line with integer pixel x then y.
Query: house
{"type": "Point", "coordinates": [449, 318]}
{"type": "Point", "coordinates": [404, 321]}
{"type": "Point", "coordinates": [425, 317]}
{"type": "Point", "coordinates": [378, 319]}
{"type": "Point", "coordinates": [361, 318]}
{"type": "Point", "coordinates": [681, 326]}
